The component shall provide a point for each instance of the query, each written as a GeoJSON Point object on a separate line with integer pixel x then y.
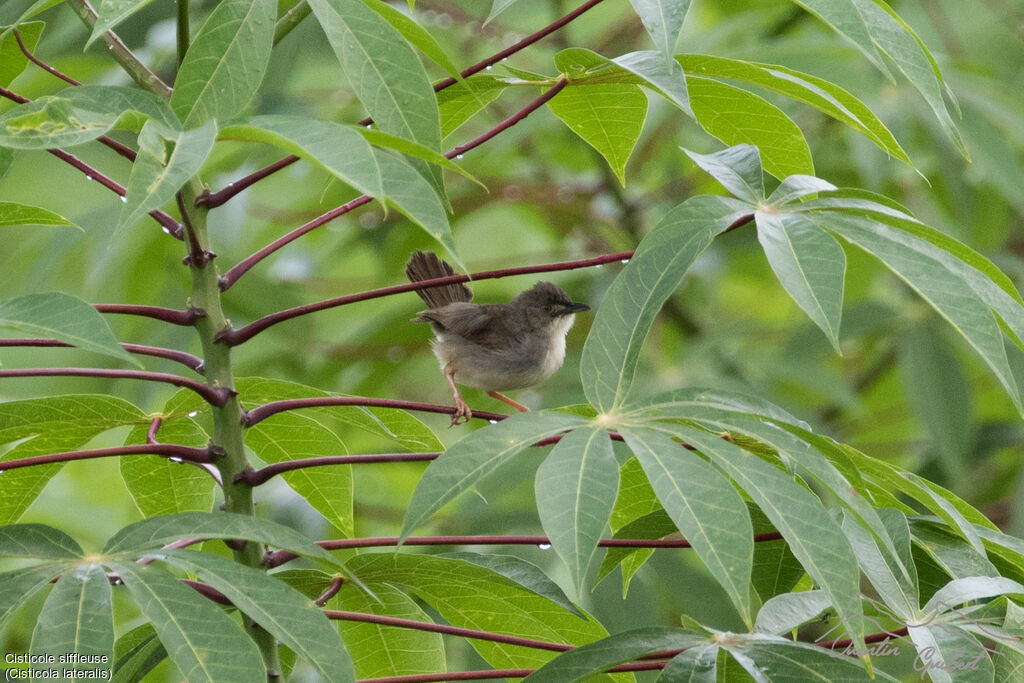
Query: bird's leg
{"type": "Point", "coordinates": [462, 411]}
{"type": "Point", "coordinates": [505, 399]}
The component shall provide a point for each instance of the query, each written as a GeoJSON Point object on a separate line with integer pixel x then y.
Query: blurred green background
{"type": "Point", "coordinates": [906, 388]}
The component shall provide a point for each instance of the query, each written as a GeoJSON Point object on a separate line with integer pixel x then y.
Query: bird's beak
{"type": "Point", "coordinates": [574, 307]}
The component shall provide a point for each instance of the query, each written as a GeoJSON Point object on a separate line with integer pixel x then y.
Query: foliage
{"type": "Point", "coordinates": [842, 497]}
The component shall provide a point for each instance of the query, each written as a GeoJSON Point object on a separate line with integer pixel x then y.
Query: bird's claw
{"type": "Point", "coordinates": [462, 412]}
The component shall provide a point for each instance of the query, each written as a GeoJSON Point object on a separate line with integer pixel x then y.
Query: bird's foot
{"type": "Point", "coordinates": [462, 412]}
{"type": "Point", "coordinates": [505, 399]}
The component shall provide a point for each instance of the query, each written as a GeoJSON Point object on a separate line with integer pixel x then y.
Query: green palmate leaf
{"type": "Point", "coordinates": [950, 552]}
{"type": "Point", "coordinates": [939, 395]}
{"type": "Point", "coordinates": [819, 93]}
{"type": "Point", "coordinates": [226, 62]}
{"type": "Point", "coordinates": [110, 13]}
{"type": "Point", "coordinates": [51, 121]}
{"type": "Point", "coordinates": [810, 264]}
{"type": "Point", "coordinates": [665, 77]}
{"type": "Point", "coordinates": [291, 436]}
{"type": "Point", "coordinates": [692, 404]}
{"type": "Point", "coordinates": [954, 511]}
{"type": "Point", "coordinates": [959, 591]}
{"type": "Point", "coordinates": [385, 73]}
{"type": "Point", "coordinates": [875, 29]}
{"type": "Point", "coordinates": [609, 117]}
{"type": "Point", "coordinates": [280, 609]}
{"type": "Point", "coordinates": [166, 160]}
{"type": "Point", "coordinates": [737, 168]}
{"type": "Point", "coordinates": [80, 114]}
{"type": "Point", "coordinates": [845, 18]}
{"type": "Point", "coordinates": [772, 658]}
{"type": "Point", "coordinates": [705, 507]}
{"type": "Point", "coordinates": [476, 456]}
{"type": "Point", "coordinates": [64, 317]}
{"type": "Point", "coordinates": [663, 19]}
{"type": "Point", "coordinates": [785, 612]}
{"type": "Point", "coordinates": [160, 486]}
{"type": "Point", "coordinates": [458, 103]}
{"type": "Point", "coordinates": [470, 596]}
{"type": "Point", "coordinates": [416, 35]}
{"type": "Point", "coordinates": [497, 7]}
{"type": "Point", "coordinates": [592, 658]}
{"type": "Point", "coordinates": [37, 7]}
{"type": "Point", "coordinates": [51, 425]}
{"type": "Point", "coordinates": [956, 299]}
{"type": "Point", "coordinates": [156, 532]}
{"type": "Point", "coordinates": [12, 60]}
{"type": "Point", "coordinates": [655, 525]}
{"type": "Point", "coordinates": [698, 664]}
{"type": "Point", "coordinates": [206, 644]}
{"type": "Point", "coordinates": [37, 541]}
{"type": "Point", "coordinates": [629, 306]}
{"type": "Point", "coordinates": [77, 617]}
{"type": "Point", "coordinates": [338, 149]}
{"type": "Point", "coordinates": [12, 213]}
{"type": "Point", "coordinates": [386, 650]}
{"type": "Point", "coordinates": [795, 187]}
{"type": "Point", "coordinates": [898, 592]}
{"type": "Point", "coordinates": [736, 116]}
{"type": "Point", "coordinates": [6, 161]}
{"type": "Point", "coordinates": [813, 536]}
{"type": "Point", "coordinates": [894, 223]}
{"type": "Point", "coordinates": [137, 653]}
{"type": "Point", "coordinates": [130, 106]}
{"type": "Point", "coordinates": [19, 585]}
{"type": "Point", "coordinates": [413, 194]}
{"type": "Point", "coordinates": [526, 574]}
{"type": "Point", "coordinates": [576, 486]}
{"type": "Point", "coordinates": [415, 150]}
{"type": "Point", "coordinates": [645, 68]}
{"type": "Point", "coordinates": [948, 650]}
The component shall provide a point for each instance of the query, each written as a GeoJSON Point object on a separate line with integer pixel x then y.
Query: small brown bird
{"type": "Point", "coordinates": [494, 347]}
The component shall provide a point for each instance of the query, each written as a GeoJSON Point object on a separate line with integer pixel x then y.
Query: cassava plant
{"type": "Point", "coordinates": [272, 157]}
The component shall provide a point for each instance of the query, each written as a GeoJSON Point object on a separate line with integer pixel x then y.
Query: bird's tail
{"type": "Point", "coordinates": [425, 265]}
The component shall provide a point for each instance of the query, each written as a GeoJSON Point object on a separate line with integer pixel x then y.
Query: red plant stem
{"type": "Point", "coordinates": [494, 674]}
{"type": "Point", "coordinates": [212, 200]}
{"type": "Point", "coordinates": [172, 227]}
{"type": "Point", "coordinates": [229, 278]}
{"type": "Point", "coordinates": [279, 557]}
{"type": "Point", "coordinates": [257, 415]}
{"type": "Point", "coordinates": [40, 63]}
{"type": "Point", "coordinates": [215, 199]}
{"type": "Point", "coordinates": [478, 675]}
{"type": "Point", "coordinates": [217, 397]}
{"type": "Point", "coordinates": [185, 318]}
{"type": "Point", "coordinates": [166, 450]}
{"type": "Point", "coordinates": [525, 42]}
{"type": "Point", "coordinates": [257, 477]}
{"type": "Point", "coordinates": [431, 627]}
{"type": "Point", "coordinates": [154, 427]}
{"type": "Point", "coordinates": [331, 591]}
{"type": "Point", "coordinates": [244, 265]}
{"type": "Point", "coordinates": [208, 591]}
{"type": "Point", "coordinates": [187, 359]}
{"type": "Point", "coordinates": [243, 334]}
{"type": "Point", "coordinates": [123, 150]}
{"type": "Point", "coordinates": [546, 96]}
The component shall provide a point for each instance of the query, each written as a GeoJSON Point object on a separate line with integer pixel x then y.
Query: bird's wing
{"type": "Point", "coordinates": [485, 325]}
